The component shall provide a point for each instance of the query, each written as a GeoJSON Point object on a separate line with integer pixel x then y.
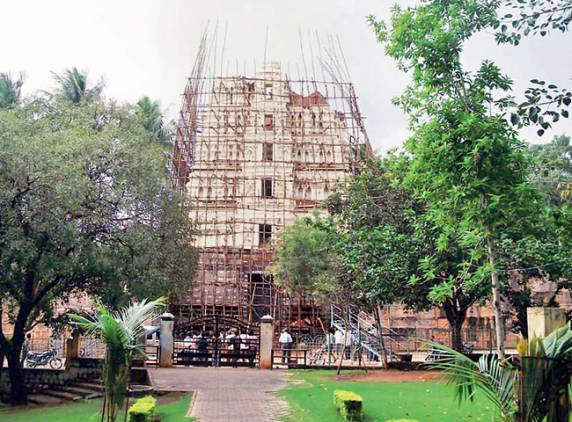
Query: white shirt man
{"type": "Point", "coordinates": [244, 341]}
{"type": "Point", "coordinates": [285, 341]}
{"type": "Point", "coordinates": [339, 338]}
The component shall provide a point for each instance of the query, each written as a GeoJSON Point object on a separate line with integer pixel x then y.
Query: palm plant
{"type": "Point", "coordinates": [73, 86]}
{"type": "Point", "coordinates": [153, 120]}
{"type": "Point", "coordinates": [120, 331]}
{"type": "Point", "coordinates": [539, 383]}
{"type": "Point", "coordinates": [10, 90]}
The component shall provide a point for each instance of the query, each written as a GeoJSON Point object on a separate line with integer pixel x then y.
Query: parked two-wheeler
{"type": "Point", "coordinates": [34, 359]}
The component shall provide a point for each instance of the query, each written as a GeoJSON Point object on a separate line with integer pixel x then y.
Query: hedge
{"type": "Point", "coordinates": [349, 404]}
{"type": "Point", "coordinates": [143, 409]}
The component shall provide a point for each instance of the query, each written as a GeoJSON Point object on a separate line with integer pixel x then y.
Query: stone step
{"type": "Point", "coordinates": [78, 391]}
{"type": "Point", "coordinates": [43, 399]}
{"type": "Point", "coordinates": [92, 386]}
{"type": "Point", "coordinates": [60, 394]}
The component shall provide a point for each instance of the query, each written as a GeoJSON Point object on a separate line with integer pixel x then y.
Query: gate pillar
{"type": "Point", "coordinates": [266, 341]}
{"type": "Point", "coordinates": [543, 320]}
{"type": "Point", "coordinates": [166, 340]}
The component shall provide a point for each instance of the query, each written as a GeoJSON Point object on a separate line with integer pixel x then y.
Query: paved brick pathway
{"type": "Point", "coordinates": [226, 394]}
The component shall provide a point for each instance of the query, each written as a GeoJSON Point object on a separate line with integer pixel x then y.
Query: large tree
{"type": "Point", "coordinates": [84, 208]}
{"type": "Point", "coordinates": [468, 163]}
{"type": "Point", "coordinates": [378, 247]}
{"type": "Point", "coordinates": [391, 247]}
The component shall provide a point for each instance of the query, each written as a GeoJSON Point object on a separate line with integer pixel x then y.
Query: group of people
{"type": "Point", "coordinates": [336, 343]}
{"type": "Point", "coordinates": [337, 340]}
{"type": "Point", "coordinates": [232, 342]}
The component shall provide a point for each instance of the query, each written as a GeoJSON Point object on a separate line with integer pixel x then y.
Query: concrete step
{"type": "Point", "coordinates": [43, 399]}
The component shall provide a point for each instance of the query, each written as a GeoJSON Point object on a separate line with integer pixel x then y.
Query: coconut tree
{"type": "Point", "coordinates": [10, 90]}
{"type": "Point", "coordinates": [538, 393]}
{"type": "Point", "coordinates": [73, 85]}
{"type": "Point", "coordinates": [120, 332]}
{"type": "Point", "coordinates": [153, 120]}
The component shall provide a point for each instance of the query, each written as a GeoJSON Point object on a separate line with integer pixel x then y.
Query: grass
{"type": "Point", "coordinates": [310, 394]}
{"type": "Point", "coordinates": [88, 412]}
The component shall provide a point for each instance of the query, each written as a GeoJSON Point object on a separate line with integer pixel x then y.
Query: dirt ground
{"type": "Point", "coordinates": [170, 397]}
{"type": "Point", "coordinates": [390, 375]}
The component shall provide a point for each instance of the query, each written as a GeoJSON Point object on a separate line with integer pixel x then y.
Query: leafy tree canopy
{"type": "Point", "coordinates": [85, 206]}
{"type": "Point", "coordinates": [468, 165]}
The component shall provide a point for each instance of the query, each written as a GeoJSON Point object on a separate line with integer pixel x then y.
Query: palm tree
{"type": "Point", "coordinates": [153, 120]}
{"type": "Point", "coordinates": [10, 90]}
{"type": "Point", "coordinates": [539, 382]}
{"type": "Point", "coordinates": [120, 331]}
{"type": "Point", "coordinates": [73, 85]}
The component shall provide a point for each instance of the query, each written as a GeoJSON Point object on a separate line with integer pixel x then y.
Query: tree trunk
{"type": "Point", "coordinates": [496, 297]}
{"type": "Point", "coordinates": [18, 393]}
{"type": "Point", "coordinates": [496, 300]}
{"type": "Point", "coordinates": [456, 317]}
{"type": "Point", "coordinates": [377, 312]}
{"type": "Point", "coordinates": [456, 335]}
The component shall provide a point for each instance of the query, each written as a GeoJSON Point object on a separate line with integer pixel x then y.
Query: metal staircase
{"type": "Point", "coordinates": [363, 331]}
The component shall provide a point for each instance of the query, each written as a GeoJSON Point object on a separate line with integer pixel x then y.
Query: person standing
{"type": "Point", "coordinates": [25, 349]}
{"type": "Point", "coordinates": [285, 341]}
{"type": "Point", "coordinates": [339, 339]}
{"type": "Point", "coordinates": [330, 343]}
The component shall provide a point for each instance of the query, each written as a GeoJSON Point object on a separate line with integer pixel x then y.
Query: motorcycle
{"type": "Point", "coordinates": [34, 359]}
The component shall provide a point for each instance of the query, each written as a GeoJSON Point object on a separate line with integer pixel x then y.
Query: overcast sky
{"type": "Point", "coordinates": [147, 47]}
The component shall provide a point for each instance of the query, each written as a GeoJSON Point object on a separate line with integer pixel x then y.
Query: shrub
{"type": "Point", "coordinates": [349, 404]}
{"type": "Point", "coordinates": [143, 409]}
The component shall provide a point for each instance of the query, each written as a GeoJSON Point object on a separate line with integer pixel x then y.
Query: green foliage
{"type": "Point", "coordinates": [85, 207]}
{"type": "Point", "coordinates": [73, 86]}
{"type": "Point", "coordinates": [468, 164]}
{"type": "Point", "coordinates": [143, 410]}
{"type": "Point", "coordinates": [152, 119]}
{"type": "Point", "coordinates": [349, 404]}
{"type": "Point", "coordinates": [544, 103]}
{"type": "Point", "coordinates": [533, 17]}
{"type": "Point", "coordinates": [552, 168]}
{"type": "Point", "coordinates": [120, 332]}
{"type": "Point", "coordinates": [303, 257]}
{"type": "Point", "coordinates": [488, 376]}
{"type": "Point", "coordinates": [545, 375]}
{"type": "Point", "coordinates": [376, 247]}
{"type": "Point", "coordinates": [10, 90]}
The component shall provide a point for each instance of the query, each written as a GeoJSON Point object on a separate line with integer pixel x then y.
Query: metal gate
{"type": "Point", "coordinates": [216, 341]}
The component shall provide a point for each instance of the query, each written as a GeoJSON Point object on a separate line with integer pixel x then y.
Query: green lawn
{"type": "Point", "coordinates": [88, 412]}
{"type": "Point", "coordinates": [310, 395]}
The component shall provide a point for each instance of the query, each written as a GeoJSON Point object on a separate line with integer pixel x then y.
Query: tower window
{"type": "Point", "coordinates": [268, 122]}
{"type": "Point", "coordinates": [267, 152]}
{"type": "Point", "coordinates": [268, 91]}
{"type": "Point", "coordinates": [264, 234]}
{"type": "Point", "coordinates": [266, 186]}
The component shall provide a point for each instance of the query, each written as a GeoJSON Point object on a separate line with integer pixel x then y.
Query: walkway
{"type": "Point", "coordinates": [226, 394]}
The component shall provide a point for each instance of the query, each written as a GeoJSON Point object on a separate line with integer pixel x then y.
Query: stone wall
{"type": "Point", "coordinates": [37, 379]}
